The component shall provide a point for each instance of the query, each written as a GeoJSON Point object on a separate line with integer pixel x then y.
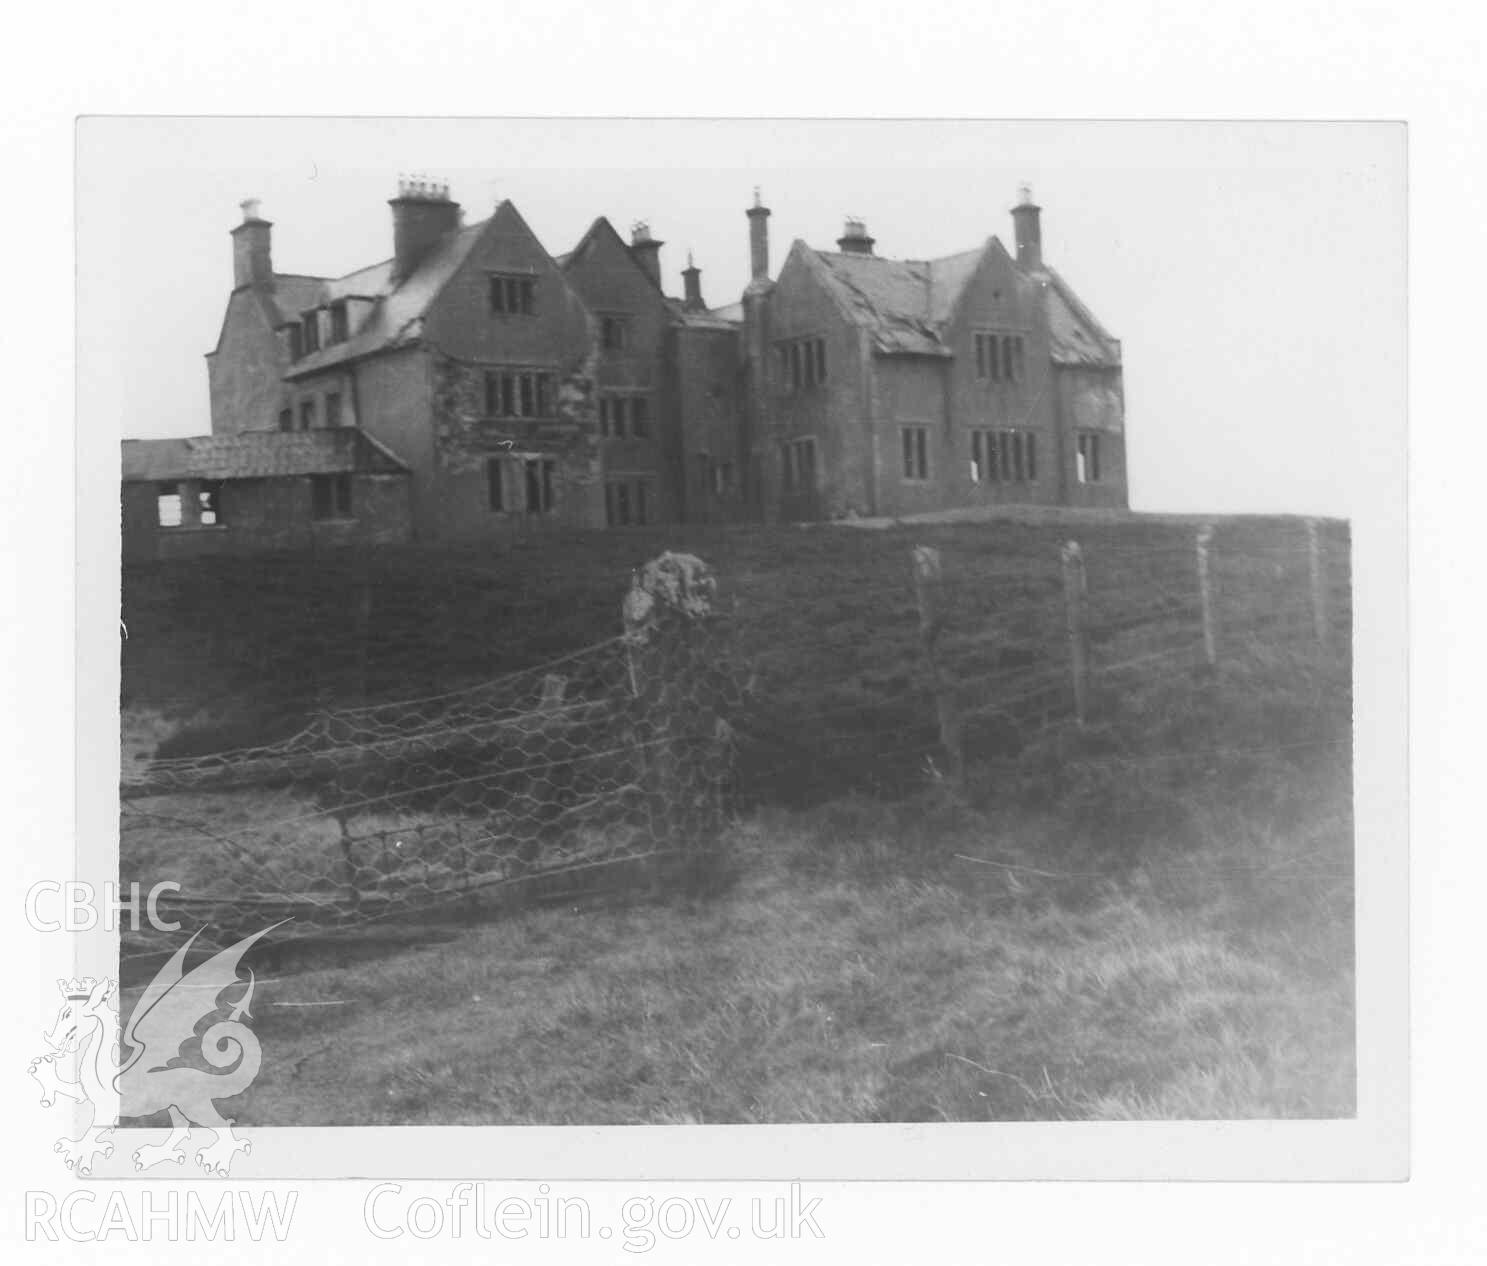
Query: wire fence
{"type": "Point", "coordinates": [613, 769]}
{"type": "Point", "coordinates": [606, 770]}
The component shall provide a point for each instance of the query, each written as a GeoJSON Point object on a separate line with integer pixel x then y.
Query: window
{"type": "Point", "coordinates": [495, 481]}
{"type": "Point", "coordinates": [1005, 456]}
{"type": "Point", "coordinates": [1087, 458]}
{"type": "Point", "coordinates": [286, 419]}
{"type": "Point", "coordinates": [512, 295]}
{"type": "Point", "coordinates": [916, 452]}
{"type": "Point", "coordinates": [722, 478]}
{"type": "Point", "coordinates": [518, 394]}
{"type": "Point", "coordinates": [333, 409]}
{"type": "Point", "coordinates": [1000, 357]}
{"type": "Point", "coordinates": [330, 496]}
{"type": "Point", "coordinates": [614, 333]}
{"type": "Point", "coordinates": [627, 502]}
{"type": "Point", "coordinates": [209, 504]}
{"type": "Point", "coordinates": [539, 473]}
{"type": "Point", "coordinates": [168, 505]}
{"type": "Point", "coordinates": [310, 340]}
{"type": "Point", "coordinates": [799, 461]}
{"type": "Point", "coordinates": [295, 335]}
{"type": "Point", "coordinates": [802, 363]}
{"type": "Point", "coordinates": [306, 414]}
{"type": "Point", "coordinates": [339, 327]}
{"type": "Point", "coordinates": [622, 417]}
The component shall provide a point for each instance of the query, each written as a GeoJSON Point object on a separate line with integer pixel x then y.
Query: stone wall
{"type": "Point", "coordinates": [260, 515]}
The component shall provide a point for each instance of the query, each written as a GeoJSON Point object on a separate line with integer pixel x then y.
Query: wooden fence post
{"type": "Point", "coordinates": [1075, 591]}
{"type": "Point", "coordinates": [1318, 582]}
{"type": "Point", "coordinates": [1205, 591]}
{"type": "Point", "coordinates": [928, 575]}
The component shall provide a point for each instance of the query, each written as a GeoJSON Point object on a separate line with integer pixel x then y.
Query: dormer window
{"type": "Point", "coordinates": [310, 324]}
{"type": "Point", "coordinates": [340, 328]}
{"type": "Point", "coordinates": [512, 295]}
{"type": "Point", "coordinates": [295, 337]}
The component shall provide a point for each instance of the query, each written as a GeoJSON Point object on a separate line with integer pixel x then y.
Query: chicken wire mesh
{"type": "Point", "coordinates": [605, 770]}
{"type": "Point", "coordinates": [611, 769]}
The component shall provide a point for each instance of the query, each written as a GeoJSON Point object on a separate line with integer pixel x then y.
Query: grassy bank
{"type": "Point", "coordinates": [1146, 916]}
{"type": "Point", "coordinates": [1166, 933]}
{"type": "Point", "coordinates": [978, 993]}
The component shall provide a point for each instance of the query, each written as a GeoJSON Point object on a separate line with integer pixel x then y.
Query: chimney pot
{"type": "Point", "coordinates": [758, 238]}
{"type": "Point", "coordinates": [647, 250]}
{"type": "Point", "coordinates": [854, 239]}
{"type": "Point", "coordinates": [422, 214]}
{"type": "Point", "coordinates": [1028, 229]}
{"type": "Point", "coordinates": [252, 261]}
{"type": "Point", "coordinates": [692, 287]}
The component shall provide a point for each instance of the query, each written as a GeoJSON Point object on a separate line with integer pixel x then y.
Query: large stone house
{"type": "Point", "coordinates": [501, 390]}
{"type": "Point", "coordinates": [889, 387]}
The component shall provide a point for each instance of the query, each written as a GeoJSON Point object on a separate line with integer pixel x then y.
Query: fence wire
{"type": "Point", "coordinates": [378, 757]}
{"type": "Point", "coordinates": [606, 769]}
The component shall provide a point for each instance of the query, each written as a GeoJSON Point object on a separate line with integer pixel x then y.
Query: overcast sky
{"type": "Point", "coordinates": [1254, 272]}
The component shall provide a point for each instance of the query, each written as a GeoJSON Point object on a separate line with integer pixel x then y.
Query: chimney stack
{"type": "Point", "coordinates": [422, 214]}
{"type": "Point", "coordinates": [692, 287]}
{"type": "Point", "coordinates": [1028, 229]}
{"type": "Point", "coordinates": [252, 264]}
{"type": "Point", "coordinates": [647, 250]}
{"type": "Point", "coordinates": [758, 239]}
{"type": "Point", "coordinates": [854, 239]}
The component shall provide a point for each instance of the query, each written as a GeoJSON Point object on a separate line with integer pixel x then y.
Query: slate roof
{"type": "Point", "coordinates": [397, 316]}
{"type": "Point", "coordinates": [701, 318]}
{"type": "Point", "coordinates": [948, 277]}
{"type": "Point", "coordinates": [293, 294]}
{"type": "Point", "coordinates": [1077, 337]}
{"type": "Point", "coordinates": [906, 303]}
{"type": "Point", "coordinates": [258, 455]}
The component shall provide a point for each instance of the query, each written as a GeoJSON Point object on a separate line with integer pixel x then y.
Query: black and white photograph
{"type": "Point", "coordinates": [857, 667]}
{"type": "Point", "coordinates": [751, 644]}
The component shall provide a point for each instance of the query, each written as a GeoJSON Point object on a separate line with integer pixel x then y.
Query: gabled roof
{"type": "Point", "coordinates": [889, 297]}
{"type": "Point", "coordinates": [1076, 337]}
{"type": "Point", "coordinates": [601, 227]}
{"type": "Point", "coordinates": [905, 304]}
{"type": "Point", "coordinates": [399, 307]}
{"type": "Point", "coordinates": [258, 455]}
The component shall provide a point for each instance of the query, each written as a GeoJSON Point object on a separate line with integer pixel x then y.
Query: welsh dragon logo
{"type": "Point", "coordinates": [153, 1076]}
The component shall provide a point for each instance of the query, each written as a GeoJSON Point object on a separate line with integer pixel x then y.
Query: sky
{"type": "Point", "coordinates": [1254, 272]}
